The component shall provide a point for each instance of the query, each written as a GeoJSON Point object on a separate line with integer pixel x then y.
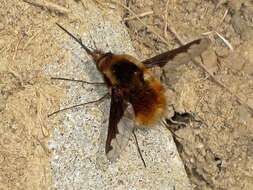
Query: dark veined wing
{"type": "Point", "coordinates": [179, 55]}
{"type": "Point", "coordinates": [121, 125]}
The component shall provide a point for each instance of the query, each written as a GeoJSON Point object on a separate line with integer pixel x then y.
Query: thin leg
{"type": "Point", "coordinates": [139, 150]}
{"type": "Point", "coordinates": [172, 132]}
{"type": "Point", "coordinates": [175, 138]}
{"type": "Point", "coordinates": [78, 105]}
{"type": "Point", "coordinates": [74, 80]}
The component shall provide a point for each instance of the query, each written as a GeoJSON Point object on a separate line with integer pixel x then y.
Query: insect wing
{"type": "Point", "coordinates": [121, 125]}
{"type": "Point", "coordinates": [179, 55]}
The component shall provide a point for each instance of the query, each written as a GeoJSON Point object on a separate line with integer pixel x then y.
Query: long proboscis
{"type": "Point", "coordinates": [77, 40]}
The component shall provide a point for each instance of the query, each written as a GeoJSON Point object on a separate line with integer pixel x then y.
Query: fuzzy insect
{"type": "Point", "coordinates": [137, 98]}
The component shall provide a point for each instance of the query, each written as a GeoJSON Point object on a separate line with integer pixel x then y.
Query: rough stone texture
{"type": "Point", "coordinates": [79, 161]}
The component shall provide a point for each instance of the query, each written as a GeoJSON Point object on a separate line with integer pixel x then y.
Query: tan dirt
{"type": "Point", "coordinates": [26, 95]}
{"type": "Point", "coordinates": [217, 152]}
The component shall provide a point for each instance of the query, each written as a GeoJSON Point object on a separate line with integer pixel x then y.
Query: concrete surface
{"type": "Point", "coordinates": [78, 142]}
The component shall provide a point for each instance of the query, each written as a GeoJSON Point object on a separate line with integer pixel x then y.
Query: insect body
{"type": "Point", "coordinates": [137, 97]}
{"type": "Point", "coordinates": [137, 85]}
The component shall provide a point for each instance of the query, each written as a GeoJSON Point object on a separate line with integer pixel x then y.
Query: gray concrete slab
{"type": "Point", "coordinates": [79, 160]}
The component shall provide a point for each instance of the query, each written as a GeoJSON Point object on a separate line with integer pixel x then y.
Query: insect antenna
{"type": "Point", "coordinates": [139, 150]}
{"type": "Point", "coordinates": [78, 105]}
{"type": "Point", "coordinates": [94, 54]}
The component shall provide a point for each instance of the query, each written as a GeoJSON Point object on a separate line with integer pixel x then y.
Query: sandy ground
{"type": "Point", "coordinates": [215, 143]}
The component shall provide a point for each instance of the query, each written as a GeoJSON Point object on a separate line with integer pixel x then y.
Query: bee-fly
{"type": "Point", "coordinates": [137, 98]}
